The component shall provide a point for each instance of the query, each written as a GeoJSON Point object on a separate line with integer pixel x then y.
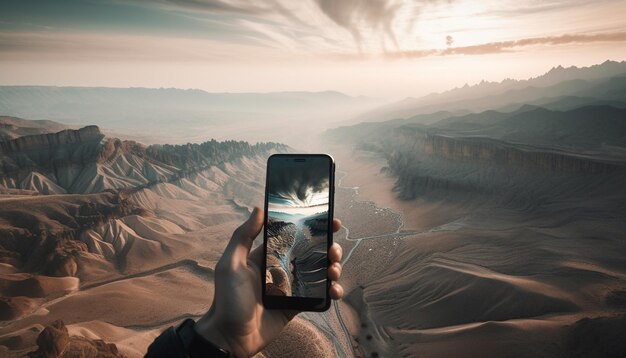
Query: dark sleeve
{"type": "Point", "coordinates": [166, 345]}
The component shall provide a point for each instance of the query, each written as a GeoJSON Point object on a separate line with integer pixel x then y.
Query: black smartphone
{"type": "Point", "coordinates": [299, 198]}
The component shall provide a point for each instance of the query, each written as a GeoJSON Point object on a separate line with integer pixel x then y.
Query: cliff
{"type": "Point", "coordinates": [434, 165]}
{"type": "Point", "coordinates": [13, 127]}
{"type": "Point", "coordinates": [40, 142]}
{"type": "Point", "coordinates": [56, 156]}
{"type": "Point", "coordinates": [84, 161]}
{"type": "Point", "coordinates": [502, 153]}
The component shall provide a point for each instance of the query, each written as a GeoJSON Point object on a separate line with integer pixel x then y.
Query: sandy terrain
{"type": "Point", "coordinates": [419, 214]}
{"type": "Point", "coordinates": [132, 265]}
{"type": "Point", "coordinates": [426, 277]}
{"type": "Point", "coordinates": [463, 279]}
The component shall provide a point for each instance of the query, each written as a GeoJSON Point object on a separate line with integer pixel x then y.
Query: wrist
{"type": "Point", "coordinates": [212, 332]}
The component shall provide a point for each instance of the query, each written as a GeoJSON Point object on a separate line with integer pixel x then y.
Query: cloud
{"type": "Point", "coordinates": [241, 7]}
{"type": "Point", "coordinates": [284, 182]}
{"type": "Point", "coordinates": [358, 15]}
{"type": "Point", "coordinates": [506, 46]}
{"type": "Point", "coordinates": [370, 23]}
{"type": "Point", "coordinates": [517, 8]}
{"type": "Point", "coordinates": [76, 47]}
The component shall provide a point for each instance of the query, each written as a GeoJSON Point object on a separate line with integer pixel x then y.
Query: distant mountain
{"type": "Point", "coordinates": [589, 127]}
{"type": "Point", "coordinates": [372, 131]}
{"type": "Point", "coordinates": [282, 216]}
{"type": "Point", "coordinates": [177, 115]}
{"type": "Point", "coordinates": [603, 82]}
{"type": "Point", "coordinates": [12, 127]}
{"type": "Point", "coordinates": [565, 103]}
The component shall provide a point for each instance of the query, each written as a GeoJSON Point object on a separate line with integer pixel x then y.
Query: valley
{"type": "Point", "coordinates": [486, 220]}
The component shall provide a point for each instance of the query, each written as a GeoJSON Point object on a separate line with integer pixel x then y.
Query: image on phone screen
{"type": "Point", "coordinates": [297, 227]}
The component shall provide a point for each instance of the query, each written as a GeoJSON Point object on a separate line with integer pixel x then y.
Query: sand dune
{"type": "Point", "coordinates": [129, 342]}
{"type": "Point", "coordinates": [301, 339]}
{"type": "Point", "coordinates": [480, 276]}
{"type": "Point", "coordinates": [37, 286]}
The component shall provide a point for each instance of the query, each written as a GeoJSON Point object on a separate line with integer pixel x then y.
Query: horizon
{"type": "Point", "coordinates": [243, 92]}
{"type": "Point", "coordinates": [384, 50]}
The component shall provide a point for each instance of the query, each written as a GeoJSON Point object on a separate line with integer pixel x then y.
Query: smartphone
{"type": "Point", "coordinates": [299, 198]}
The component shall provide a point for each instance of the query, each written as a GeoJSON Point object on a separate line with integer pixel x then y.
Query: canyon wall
{"type": "Point", "coordinates": [429, 164]}
{"type": "Point", "coordinates": [501, 153]}
{"type": "Point", "coordinates": [84, 161]}
{"type": "Point", "coordinates": [50, 140]}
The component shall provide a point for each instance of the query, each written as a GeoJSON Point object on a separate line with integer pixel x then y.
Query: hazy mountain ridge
{"type": "Point", "coordinates": [517, 157]}
{"type": "Point", "coordinates": [604, 82]}
{"type": "Point", "coordinates": [169, 115]}
{"type": "Point", "coordinates": [12, 127]}
{"type": "Point", "coordinates": [590, 131]}
{"type": "Point", "coordinates": [54, 97]}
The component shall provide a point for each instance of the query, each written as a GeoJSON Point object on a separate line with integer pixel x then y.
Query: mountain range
{"type": "Point", "coordinates": [559, 88]}
{"type": "Point", "coordinates": [169, 115]}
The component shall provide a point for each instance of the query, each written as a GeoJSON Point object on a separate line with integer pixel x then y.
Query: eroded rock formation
{"type": "Point", "coordinates": [55, 341]}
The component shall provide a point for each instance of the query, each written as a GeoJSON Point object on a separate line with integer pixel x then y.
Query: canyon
{"type": "Point", "coordinates": [81, 213]}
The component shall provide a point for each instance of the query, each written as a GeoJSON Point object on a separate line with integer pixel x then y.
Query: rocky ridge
{"type": "Point", "coordinates": [84, 161]}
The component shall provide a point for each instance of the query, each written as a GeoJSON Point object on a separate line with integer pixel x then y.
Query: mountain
{"type": "Point", "coordinates": [511, 224]}
{"type": "Point", "coordinates": [564, 103]}
{"type": "Point", "coordinates": [592, 131]}
{"type": "Point", "coordinates": [169, 115]}
{"type": "Point", "coordinates": [92, 226]}
{"type": "Point", "coordinates": [603, 82]}
{"type": "Point", "coordinates": [283, 216]}
{"type": "Point", "coordinates": [13, 127]}
{"type": "Point", "coordinates": [584, 128]}
{"type": "Point", "coordinates": [84, 161]}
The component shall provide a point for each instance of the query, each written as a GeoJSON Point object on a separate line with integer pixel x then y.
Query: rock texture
{"type": "Point", "coordinates": [502, 153]}
{"type": "Point", "coordinates": [33, 243]}
{"type": "Point", "coordinates": [84, 161]}
{"type": "Point", "coordinates": [55, 341]}
{"type": "Point", "coordinates": [12, 127]}
{"type": "Point", "coordinates": [521, 158]}
{"type": "Point", "coordinates": [51, 140]}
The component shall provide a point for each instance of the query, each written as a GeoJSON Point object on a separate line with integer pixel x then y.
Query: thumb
{"type": "Point", "coordinates": [241, 242]}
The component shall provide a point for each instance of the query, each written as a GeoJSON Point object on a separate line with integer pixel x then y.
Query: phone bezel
{"type": "Point", "coordinates": [290, 302]}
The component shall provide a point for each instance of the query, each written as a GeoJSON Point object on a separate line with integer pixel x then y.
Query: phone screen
{"type": "Point", "coordinates": [297, 228]}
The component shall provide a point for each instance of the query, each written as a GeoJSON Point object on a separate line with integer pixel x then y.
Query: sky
{"type": "Point", "coordinates": [377, 48]}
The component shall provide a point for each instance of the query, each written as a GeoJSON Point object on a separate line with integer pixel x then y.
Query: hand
{"type": "Point", "coordinates": [237, 320]}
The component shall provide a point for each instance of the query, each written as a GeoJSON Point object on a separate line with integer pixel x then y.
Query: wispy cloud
{"type": "Point", "coordinates": [74, 47]}
{"type": "Point", "coordinates": [513, 45]}
{"type": "Point", "coordinates": [358, 16]}
{"type": "Point", "coordinates": [370, 24]}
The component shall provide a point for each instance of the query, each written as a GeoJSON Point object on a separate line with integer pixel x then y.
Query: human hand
{"type": "Point", "coordinates": [237, 320]}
